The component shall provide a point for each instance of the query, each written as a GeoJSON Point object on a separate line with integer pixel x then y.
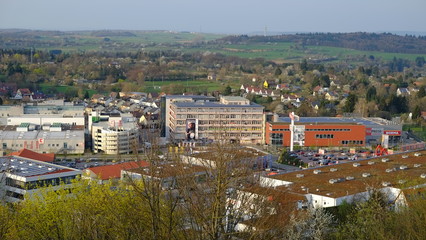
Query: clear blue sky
{"type": "Point", "coordinates": [217, 16]}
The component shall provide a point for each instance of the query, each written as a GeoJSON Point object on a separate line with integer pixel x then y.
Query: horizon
{"type": "Point", "coordinates": [269, 33]}
{"type": "Point", "coordinates": [220, 17]}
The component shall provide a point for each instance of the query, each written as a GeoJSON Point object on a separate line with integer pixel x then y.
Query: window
{"type": "Point", "coordinates": [277, 139]}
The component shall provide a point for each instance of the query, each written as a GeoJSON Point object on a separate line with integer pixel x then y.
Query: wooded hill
{"type": "Point", "coordinates": [384, 42]}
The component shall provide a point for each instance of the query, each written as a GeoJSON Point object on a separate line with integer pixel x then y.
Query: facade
{"type": "Point", "coordinates": [332, 132]}
{"type": "Point", "coordinates": [45, 129]}
{"type": "Point", "coordinates": [114, 133]}
{"type": "Point", "coordinates": [165, 104]}
{"type": "Point", "coordinates": [20, 177]}
{"type": "Point", "coordinates": [233, 118]}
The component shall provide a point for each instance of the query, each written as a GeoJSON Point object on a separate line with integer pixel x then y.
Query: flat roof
{"type": "Point", "coordinates": [400, 171]}
{"type": "Point", "coordinates": [168, 170]}
{"type": "Point", "coordinates": [242, 153]}
{"type": "Point", "coordinates": [214, 105]}
{"type": "Point", "coordinates": [190, 96]}
{"type": "Point", "coordinates": [333, 120]}
{"type": "Point", "coordinates": [46, 135]}
{"type": "Point", "coordinates": [25, 167]}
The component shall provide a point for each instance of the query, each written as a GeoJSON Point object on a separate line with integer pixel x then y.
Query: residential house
{"type": "Point", "coordinates": [402, 92]}
{"type": "Point", "coordinates": [23, 94]}
{"type": "Point", "coordinates": [332, 96]}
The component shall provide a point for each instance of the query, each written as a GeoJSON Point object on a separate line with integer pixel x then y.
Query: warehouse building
{"type": "Point", "coordinates": [21, 178]}
{"type": "Point", "coordinates": [333, 132]}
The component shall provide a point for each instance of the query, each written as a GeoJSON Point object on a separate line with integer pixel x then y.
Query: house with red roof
{"type": "Point", "coordinates": [26, 153]}
{"type": "Point", "coordinates": [111, 172]}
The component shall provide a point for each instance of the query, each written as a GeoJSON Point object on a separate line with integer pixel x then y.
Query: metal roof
{"type": "Point", "coordinates": [24, 167]}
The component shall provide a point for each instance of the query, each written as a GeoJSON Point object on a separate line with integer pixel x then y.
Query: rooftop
{"type": "Point", "coordinates": [168, 170]}
{"type": "Point", "coordinates": [334, 120]}
{"type": "Point", "coordinates": [114, 171]}
{"type": "Point", "coordinates": [242, 153]}
{"type": "Point", "coordinates": [214, 105]}
{"type": "Point", "coordinates": [25, 167]}
{"type": "Point", "coordinates": [44, 157]}
{"type": "Point", "coordinates": [9, 134]}
{"type": "Point", "coordinates": [400, 171]}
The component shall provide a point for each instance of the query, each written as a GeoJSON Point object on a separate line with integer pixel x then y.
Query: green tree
{"type": "Point", "coordinates": [417, 112]}
{"type": "Point", "coordinates": [371, 94]}
{"type": "Point", "coordinates": [278, 72]}
{"type": "Point", "coordinates": [228, 91]}
{"type": "Point", "coordinates": [420, 61]}
{"type": "Point", "coordinates": [421, 93]}
{"type": "Point", "coordinates": [350, 103]}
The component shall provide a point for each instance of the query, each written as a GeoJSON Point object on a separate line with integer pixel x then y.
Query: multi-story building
{"type": "Point", "coordinates": [114, 133]}
{"type": "Point", "coordinates": [21, 178]}
{"type": "Point", "coordinates": [166, 101]}
{"type": "Point", "coordinates": [232, 118]}
{"type": "Point", "coordinates": [332, 132]}
{"type": "Point", "coordinates": [44, 129]}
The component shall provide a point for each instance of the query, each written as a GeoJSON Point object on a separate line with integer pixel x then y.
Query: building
{"type": "Point", "coordinates": [166, 101]}
{"type": "Point", "coordinates": [233, 118]}
{"type": "Point", "coordinates": [168, 174]}
{"type": "Point", "coordinates": [44, 157]}
{"type": "Point", "coordinates": [332, 132]}
{"type": "Point", "coordinates": [21, 178]}
{"type": "Point", "coordinates": [114, 133]}
{"type": "Point", "coordinates": [395, 176]}
{"type": "Point", "coordinates": [110, 172]}
{"type": "Point", "coordinates": [50, 127]}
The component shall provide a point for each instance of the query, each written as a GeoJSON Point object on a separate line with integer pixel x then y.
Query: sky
{"type": "Point", "coordinates": [216, 16]}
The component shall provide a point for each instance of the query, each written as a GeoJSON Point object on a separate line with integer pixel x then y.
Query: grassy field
{"type": "Point", "coordinates": [291, 52]}
{"type": "Point", "coordinates": [48, 88]}
{"type": "Point", "coordinates": [419, 131]}
{"type": "Point", "coordinates": [187, 86]}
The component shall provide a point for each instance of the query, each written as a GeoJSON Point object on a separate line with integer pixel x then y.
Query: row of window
{"type": "Point", "coordinates": [317, 130]}
{"type": "Point", "coordinates": [327, 136]}
{"type": "Point", "coordinates": [329, 130]}
{"type": "Point", "coordinates": [352, 142]}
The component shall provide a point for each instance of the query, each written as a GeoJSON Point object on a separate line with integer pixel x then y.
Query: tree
{"type": "Point", "coordinates": [278, 72]}
{"type": "Point", "coordinates": [371, 94]}
{"type": "Point", "coordinates": [420, 61]}
{"type": "Point", "coordinates": [228, 91]}
{"type": "Point", "coordinates": [417, 112]}
{"type": "Point", "coordinates": [350, 103]}
{"type": "Point", "coordinates": [421, 93]}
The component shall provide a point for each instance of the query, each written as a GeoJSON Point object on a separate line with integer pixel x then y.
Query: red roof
{"type": "Point", "coordinates": [26, 153]}
{"type": "Point", "coordinates": [113, 171]}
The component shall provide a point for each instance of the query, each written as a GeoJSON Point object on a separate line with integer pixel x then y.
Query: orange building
{"type": "Point", "coordinates": [327, 132]}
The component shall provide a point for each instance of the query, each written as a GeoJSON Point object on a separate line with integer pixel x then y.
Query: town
{"type": "Point", "coordinates": [174, 144]}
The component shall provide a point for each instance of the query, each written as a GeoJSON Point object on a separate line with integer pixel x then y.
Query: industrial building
{"type": "Point", "coordinates": [333, 132]}
{"type": "Point", "coordinates": [233, 119]}
{"type": "Point", "coordinates": [394, 175]}
{"type": "Point", "coordinates": [43, 128]}
{"type": "Point", "coordinates": [21, 178]}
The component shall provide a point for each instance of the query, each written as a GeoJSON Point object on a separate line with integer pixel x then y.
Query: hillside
{"type": "Point", "coordinates": [384, 42]}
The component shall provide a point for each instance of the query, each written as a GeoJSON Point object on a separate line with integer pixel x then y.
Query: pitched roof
{"type": "Point", "coordinates": [26, 153]}
{"type": "Point", "coordinates": [113, 171]}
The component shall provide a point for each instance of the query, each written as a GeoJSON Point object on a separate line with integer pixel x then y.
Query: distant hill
{"type": "Point", "coordinates": [107, 33]}
{"type": "Point", "coordinates": [384, 42]}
